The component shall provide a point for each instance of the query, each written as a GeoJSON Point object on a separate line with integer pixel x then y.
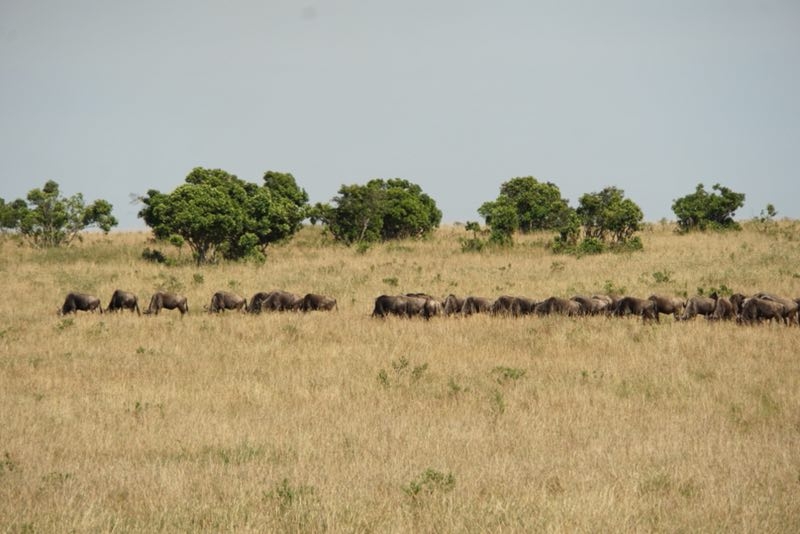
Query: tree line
{"type": "Point", "coordinates": [218, 215]}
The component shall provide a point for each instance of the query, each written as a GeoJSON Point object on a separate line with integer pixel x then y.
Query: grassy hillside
{"type": "Point", "coordinates": [340, 422]}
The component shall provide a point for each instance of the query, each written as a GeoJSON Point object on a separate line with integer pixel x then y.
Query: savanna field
{"type": "Point", "coordinates": [340, 422]}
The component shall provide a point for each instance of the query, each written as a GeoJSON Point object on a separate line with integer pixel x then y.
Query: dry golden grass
{"type": "Point", "coordinates": [340, 422]}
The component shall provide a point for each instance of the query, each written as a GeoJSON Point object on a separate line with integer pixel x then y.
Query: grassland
{"type": "Point", "coordinates": [340, 422]}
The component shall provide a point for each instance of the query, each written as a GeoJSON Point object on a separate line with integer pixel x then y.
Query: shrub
{"type": "Point", "coordinates": [703, 211]}
{"type": "Point", "coordinates": [154, 255]}
{"type": "Point", "coordinates": [379, 210]}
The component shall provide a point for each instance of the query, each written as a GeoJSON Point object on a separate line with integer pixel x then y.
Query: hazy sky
{"type": "Point", "coordinates": [111, 98]}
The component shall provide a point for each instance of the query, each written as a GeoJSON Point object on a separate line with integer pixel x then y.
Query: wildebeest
{"type": "Point", "coordinates": [282, 301]}
{"type": "Point", "coordinates": [313, 301]}
{"type": "Point", "coordinates": [390, 305]}
{"type": "Point", "coordinates": [609, 300]}
{"type": "Point", "coordinates": [593, 305]}
{"type": "Point", "coordinates": [558, 306]}
{"type": "Point", "coordinates": [698, 306]}
{"type": "Point", "coordinates": [169, 301]}
{"type": "Point", "coordinates": [645, 308]}
{"type": "Point", "coordinates": [723, 308]}
{"type": "Point", "coordinates": [525, 305]}
{"type": "Point", "coordinates": [790, 306]}
{"type": "Point", "coordinates": [225, 300]}
{"type": "Point", "coordinates": [505, 305]}
{"type": "Point", "coordinates": [669, 305]}
{"type": "Point", "coordinates": [476, 305]}
{"type": "Point", "coordinates": [257, 301]}
{"type": "Point", "coordinates": [432, 308]}
{"type": "Point", "coordinates": [758, 309]}
{"type": "Point", "coordinates": [515, 306]}
{"type": "Point", "coordinates": [737, 301]}
{"type": "Point", "coordinates": [423, 304]}
{"type": "Point", "coordinates": [406, 306]}
{"type": "Point", "coordinates": [123, 300]}
{"type": "Point", "coordinates": [80, 302]}
{"type": "Point", "coordinates": [452, 305]}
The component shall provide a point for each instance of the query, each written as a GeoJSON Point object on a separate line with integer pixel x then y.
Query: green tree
{"type": "Point", "coordinates": [10, 214]}
{"type": "Point", "coordinates": [708, 211]}
{"type": "Point", "coordinates": [608, 216]}
{"type": "Point", "coordinates": [603, 220]}
{"type": "Point", "coordinates": [539, 206]}
{"type": "Point", "coordinates": [569, 232]}
{"type": "Point", "coordinates": [526, 205]}
{"type": "Point", "coordinates": [378, 210]}
{"type": "Point", "coordinates": [288, 209]}
{"type": "Point", "coordinates": [502, 218]}
{"type": "Point", "coordinates": [47, 219]}
{"type": "Point", "coordinates": [215, 211]}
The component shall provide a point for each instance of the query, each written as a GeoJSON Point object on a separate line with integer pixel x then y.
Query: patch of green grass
{"type": "Point", "coordinates": [504, 374]}
{"type": "Point", "coordinates": [429, 482]}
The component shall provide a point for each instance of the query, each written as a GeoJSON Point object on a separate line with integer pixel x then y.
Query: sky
{"type": "Point", "coordinates": [111, 99]}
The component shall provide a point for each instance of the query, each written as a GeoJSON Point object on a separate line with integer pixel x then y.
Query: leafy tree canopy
{"type": "Point", "coordinates": [47, 219]}
{"type": "Point", "coordinates": [526, 205]}
{"type": "Point", "coordinates": [608, 216]}
{"type": "Point", "coordinates": [215, 211]}
{"type": "Point", "coordinates": [702, 210]}
{"type": "Point", "coordinates": [603, 220]}
{"type": "Point", "coordinates": [380, 210]}
{"type": "Point", "coordinates": [502, 217]}
{"type": "Point", "coordinates": [539, 206]}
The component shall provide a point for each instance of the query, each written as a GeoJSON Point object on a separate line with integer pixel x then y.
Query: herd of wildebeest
{"type": "Point", "coordinates": [741, 308]}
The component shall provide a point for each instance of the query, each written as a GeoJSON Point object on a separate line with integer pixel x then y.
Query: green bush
{"type": "Point", "coordinates": [703, 211]}
{"type": "Point", "coordinates": [378, 211]}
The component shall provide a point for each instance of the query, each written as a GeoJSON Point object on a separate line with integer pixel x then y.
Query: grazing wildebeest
{"type": "Point", "coordinates": [224, 300]}
{"type": "Point", "coordinates": [723, 309]}
{"type": "Point", "coordinates": [313, 301]}
{"type": "Point", "coordinates": [698, 306]}
{"type": "Point", "coordinates": [591, 305]}
{"type": "Point", "coordinates": [169, 301]}
{"type": "Point", "coordinates": [390, 305]}
{"type": "Point", "coordinates": [432, 308]}
{"type": "Point", "coordinates": [123, 300]}
{"type": "Point", "coordinates": [669, 305]}
{"type": "Point", "coordinates": [557, 305]}
{"type": "Point", "coordinates": [406, 306]}
{"type": "Point", "coordinates": [757, 309]}
{"type": "Point", "coordinates": [80, 302]}
{"type": "Point", "coordinates": [452, 305]}
{"type": "Point", "coordinates": [789, 305]}
{"type": "Point", "coordinates": [423, 304]}
{"type": "Point", "coordinates": [645, 308]}
{"type": "Point", "coordinates": [610, 302]}
{"type": "Point", "coordinates": [257, 301]}
{"type": "Point", "coordinates": [476, 305]}
{"type": "Point", "coordinates": [515, 306]}
{"type": "Point", "coordinates": [505, 305]}
{"type": "Point", "coordinates": [282, 301]}
{"type": "Point", "coordinates": [737, 301]}
{"type": "Point", "coordinates": [525, 305]}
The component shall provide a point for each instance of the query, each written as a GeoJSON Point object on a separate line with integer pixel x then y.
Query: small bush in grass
{"type": "Point", "coordinates": [154, 255]}
{"type": "Point", "coordinates": [504, 374]}
{"type": "Point", "coordinates": [429, 482]}
{"type": "Point", "coordinates": [662, 277]}
{"type": "Point", "coordinates": [287, 496]}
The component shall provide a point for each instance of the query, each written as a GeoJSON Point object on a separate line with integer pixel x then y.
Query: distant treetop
{"type": "Point", "coordinates": [703, 211]}
{"type": "Point", "coordinates": [216, 212]}
{"type": "Point", "coordinates": [380, 210]}
{"type": "Point", "coordinates": [47, 219]}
